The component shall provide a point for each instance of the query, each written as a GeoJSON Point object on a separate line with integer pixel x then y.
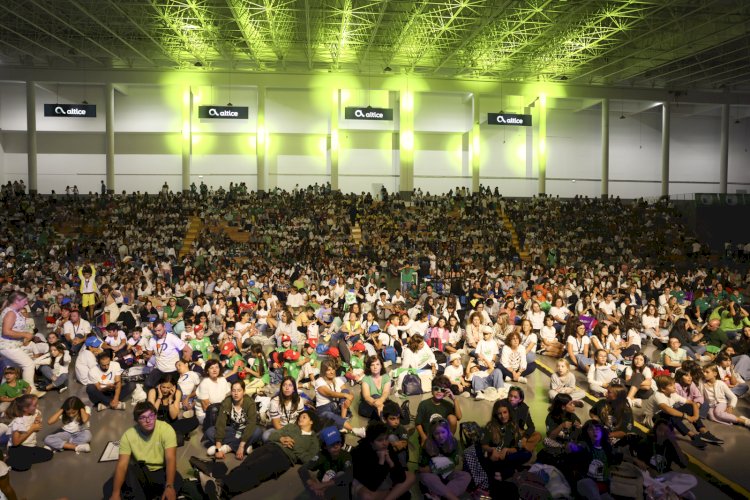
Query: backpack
{"type": "Point", "coordinates": [389, 354]}
{"type": "Point", "coordinates": [626, 480]}
{"type": "Point", "coordinates": [405, 413]}
{"type": "Point", "coordinates": [412, 385]}
{"type": "Point", "coordinates": [530, 486]}
{"type": "Point", "coordinates": [470, 433]}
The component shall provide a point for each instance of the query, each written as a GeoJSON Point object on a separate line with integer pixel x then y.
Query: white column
{"type": "Point", "coordinates": [665, 149]}
{"type": "Point", "coordinates": [31, 135]}
{"type": "Point", "coordinates": [187, 137]}
{"type": "Point", "coordinates": [109, 105]}
{"type": "Point", "coordinates": [605, 147]}
{"type": "Point", "coordinates": [724, 160]}
{"type": "Point", "coordinates": [261, 140]}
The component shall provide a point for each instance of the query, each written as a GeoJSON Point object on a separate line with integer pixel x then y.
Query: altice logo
{"type": "Point", "coordinates": [59, 110]}
{"type": "Point", "coordinates": [370, 114]}
{"type": "Point", "coordinates": [511, 120]}
{"type": "Point", "coordinates": [227, 112]}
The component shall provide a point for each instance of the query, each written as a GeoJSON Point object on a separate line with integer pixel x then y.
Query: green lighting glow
{"type": "Point", "coordinates": [407, 140]}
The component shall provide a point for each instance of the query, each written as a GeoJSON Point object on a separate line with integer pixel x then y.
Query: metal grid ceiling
{"type": "Point", "coordinates": [645, 43]}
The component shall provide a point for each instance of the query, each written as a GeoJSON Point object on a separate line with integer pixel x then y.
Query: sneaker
{"type": "Point", "coordinates": [710, 438]}
{"type": "Point", "coordinates": [697, 442]}
{"type": "Point", "coordinates": [62, 389]}
{"type": "Point", "coordinates": [101, 407]}
{"type": "Point", "coordinates": [465, 394]}
{"type": "Point", "coordinates": [48, 448]}
{"type": "Point", "coordinates": [212, 489]}
{"type": "Point", "coordinates": [225, 448]}
{"type": "Point", "coordinates": [523, 380]}
{"type": "Point", "coordinates": [83, 448]}
{"type": "Point", "coordinates": [121, 405]}
{"type": "Point", "coordinates": [210, 468]}
{"type": "Point", "coordinates": [249, 449]}
{"type": "Point", "coordinates": [211, 451]}
{"type": "Point", "coordinates": [507, 379]}
{"type": "Point", "coordinates": [359, 432]}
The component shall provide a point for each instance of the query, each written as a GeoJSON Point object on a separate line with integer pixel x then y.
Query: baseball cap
{"type": "Point", "coordinates": [359, 346]}
{"type": "Point", "coordinates": [197, 328]}
{"type": "Point", "coordinates": [454, 356]}
{"type": "Point", "coordinates": [227, 348]}
{"type": "Point", "coordinates": [330, 436]}
{"type": "Point", "coordinates": [93, 342]}
{"type": "Point", "coordinates": [65, 301]}
{"type": "Point", "coordinates": [152, 318]}
{"type": "Point", "coordinates": [333, 352]}
{"type": "Point", "coordinates": [286, 338]}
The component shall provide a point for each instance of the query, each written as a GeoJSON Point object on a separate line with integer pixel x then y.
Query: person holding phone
{"type": "Point", "coordinates": [442, 403]}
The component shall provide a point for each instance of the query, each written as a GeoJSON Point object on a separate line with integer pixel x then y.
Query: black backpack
{"type": "Point", "coordinates": [405, 413]}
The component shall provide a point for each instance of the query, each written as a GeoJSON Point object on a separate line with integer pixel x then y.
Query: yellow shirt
{"type": "Point", "coordinates": [149, 450]}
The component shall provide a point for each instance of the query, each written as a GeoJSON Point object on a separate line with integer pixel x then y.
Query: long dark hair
{"type": "Point", "coordinates": [497, 429]}
{"type": "Point", "coordinates": [557, 408]}
{"type": "Point", "coordinates": [293, 399]}
{"type": "Point", "coordinates": [72, 403]}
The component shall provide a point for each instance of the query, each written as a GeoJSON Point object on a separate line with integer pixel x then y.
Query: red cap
{"type": "Point", "coordinates": [291, 355]}
{"type": "Point", "coordinates": [333, 352]}
{"type": "Point", "coordinates": [286, 338]}
{"type": "Point", "coordinates": [227, 348]}
{"type": "Point", "coordinates": [359, 346]}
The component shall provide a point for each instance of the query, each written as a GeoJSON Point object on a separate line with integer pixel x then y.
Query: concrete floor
{"type": "Point", "coordinates": [80, 477]}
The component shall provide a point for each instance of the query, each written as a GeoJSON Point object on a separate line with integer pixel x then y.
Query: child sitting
{"type": "Point", "coordinates": [13, 387]}
{"type": "Point", "coordinates": [721, 400]}
{"type": "Point", "coordinates": [75, 434]}
{"type": "Point", "coordinates": [563, 381]}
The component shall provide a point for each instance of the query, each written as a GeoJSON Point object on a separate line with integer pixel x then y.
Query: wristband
{"type": "Point", "coordinates": [168, 485]}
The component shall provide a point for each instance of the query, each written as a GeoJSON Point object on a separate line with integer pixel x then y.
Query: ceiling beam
{"type": "Point", "coordinates": [110, 31]}
{"type": "Point", "coordinates": [33, 42]}
{"type": "Point", "coordinates": [51, 35]}
{"type": "Point", "coordinates": [478, 29]}
{"type": "Point", "coordinates": [143, 31]}
{"type": "Point", "coordinates": [247, 33]}
{"type": "Point", "coordinates": [396, 47]}
{"type": "Point", "coordinates": [309, 48]}
{"type": "Point", "coordinates": [19, 49]}
{"type": "Point", "coordinates": [374, 32]}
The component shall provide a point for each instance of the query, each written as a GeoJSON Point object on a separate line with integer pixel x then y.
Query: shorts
{"type": "Point", "coordinates": [89, 299]}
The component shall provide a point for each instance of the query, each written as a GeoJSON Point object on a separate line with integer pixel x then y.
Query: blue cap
{"type": "Point", "coordinates": [65, 301]}
{"type": "Point", "coordinates": [152, 318]}
{"type": "Point", "coordinates": [251, 283]}
{"type": "Point", "coordinates": [93, 342]}
{"type": "Point", "coordinates": [373, 329]}
{"type": "Point", "coordinates": [332, 282]}
{"type": "Point", "coordinates": [330, 435]}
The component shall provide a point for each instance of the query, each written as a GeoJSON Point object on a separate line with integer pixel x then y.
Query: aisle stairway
{"type": "Point", "coordinates": [194, 228]}
{"type": "Point", "coordinates": [235, 233]}
{"type": "Point", "coordinates": [508, 225]}
{"type": "Point", "coordinates": [357, 234]}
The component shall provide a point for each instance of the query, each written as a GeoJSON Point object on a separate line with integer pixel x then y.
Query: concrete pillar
{"type": "Point", "coordinates": [542, 144]}
{"type": "Point", "coordinates": [187, 137]}
{"type": "Point", "coordinates": [334, 138]}
{"type": "Point", "coordinates": [665, 149]}
{"type": "Point", "coordinates": [474, 146]}
{"type": "Point", "coordinates": [261, 141]}
{"type": "Point", "coordinates": [109, 105]}
{"type": "Point", "coordinates": [406, 141]}
{"type": "Point", "coordinates": [724, 160]}
{"type": "Point", "coordinates": [31, 136]}
{"type": "Point", "coordinates": [605, 147]}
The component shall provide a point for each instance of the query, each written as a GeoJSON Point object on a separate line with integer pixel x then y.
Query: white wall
{"type": "Point", "coordinates": [148, 126]}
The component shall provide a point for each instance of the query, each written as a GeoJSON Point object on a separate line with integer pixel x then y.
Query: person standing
{"type": "Point", "coordinates": [15, 334]}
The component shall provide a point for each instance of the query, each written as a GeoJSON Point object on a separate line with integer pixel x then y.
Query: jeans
{"type": "Point", "coordinates": [231, 437]}
{"type": "Point", "coordinates": [678, 422]}
{"type": "Point", "coordinates": [58, 382]}
{"type": "Point", "coordinates": [57, 440]}
{"type": "Point", "coordinates": [105, 397]}
{"type": "Point", "coordinates": [142, 484]}
{"type": "Point", "coordinates": [493, 379]}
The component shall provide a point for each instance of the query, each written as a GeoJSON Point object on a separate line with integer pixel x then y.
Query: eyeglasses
{"type": "Point", "coordinates": [148, 417]}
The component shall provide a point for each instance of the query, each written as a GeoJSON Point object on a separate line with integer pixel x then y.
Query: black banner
{"type": "Point", "coordinates": [368, 113]}
{"type": "Point", "coordinates": [509, 119]}
{"type": "Point", "coordinates": [223, 112]}
{"type": "Point", "coordinates": [70, 110]}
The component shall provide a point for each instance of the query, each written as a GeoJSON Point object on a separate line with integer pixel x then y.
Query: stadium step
{"type": "Point", "coordinates": [194, 229]}
{"type": "Point", "coordinates": [508, 224]}
{"type": "Point", "coordinates": [357, 234]}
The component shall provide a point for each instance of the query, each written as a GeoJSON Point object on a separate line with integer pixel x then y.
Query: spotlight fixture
{"type": "Point", "coordinates": [229, 104]}
{"type": "Point", "coordinates": [198, 64]}
{"type": "Point", "coordinates": [387, 69]}
{"type": "Point", "coordinates": [737, 121]}
{"type": "Point", "coordinates": [622, 116]}
{"type": "Point", "coordinates": [84, 101]}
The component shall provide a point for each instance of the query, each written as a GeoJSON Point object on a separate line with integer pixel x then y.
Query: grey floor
{"type": "Point", "coordinates": [80, 477]}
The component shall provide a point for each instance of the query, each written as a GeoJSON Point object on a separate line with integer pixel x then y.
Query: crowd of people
{"type": "Point", "coordinates": [264, 348]}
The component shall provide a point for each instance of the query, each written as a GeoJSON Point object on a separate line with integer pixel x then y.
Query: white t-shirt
{"type": "Point", "coordinates": [167, 351]}
{"type": "Point", "coordinates": [488, 349]}
{"type": "Point", "coordinates": [336, 386]}
{"type": "Point", "coordinates": [75, 425]}
{"type": "Point", "coordinates": [651, 405]}
{"type": "Point", "coordinates": [287, 414]}
{"type": "Point", "coordinates": [84, 363]}
{"type": "Point", "coordinates": [548, 333]}
{"type": "Point", "coordinates": [71, 331]}
{"type": "Point", "coordinates": [578, 344]}
{"type": "Point", "coordinates": [214, 392]}
{"type": "Point", "coordinates": [105, 379]}
{"type": "Point", "coordinates": [187, 382]}
{"type": "Point", "coordinates": [22, 424]}
{"type": "Point", "coordinates": [608, 308]}
{"type": "Point", "coordinates": [454, 373]}
{"type": "Point", "coordinates": [117, 339]}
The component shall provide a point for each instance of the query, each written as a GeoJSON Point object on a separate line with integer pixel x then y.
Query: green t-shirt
{"type": "Point", "coordinates": [149, 450]}
{"type": "Point", "coordinates": [201, 346]}
{"type": "Point", "coordinates": [702, 304]}
{"type": "Point", "coordinates": [407, 275]}
{"type": "Point", "coordinates": [9, 391]}
{"type": "Point", "coordinates": [375, 391]}
{"type": "Point", "coordinates": [737, 299]}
